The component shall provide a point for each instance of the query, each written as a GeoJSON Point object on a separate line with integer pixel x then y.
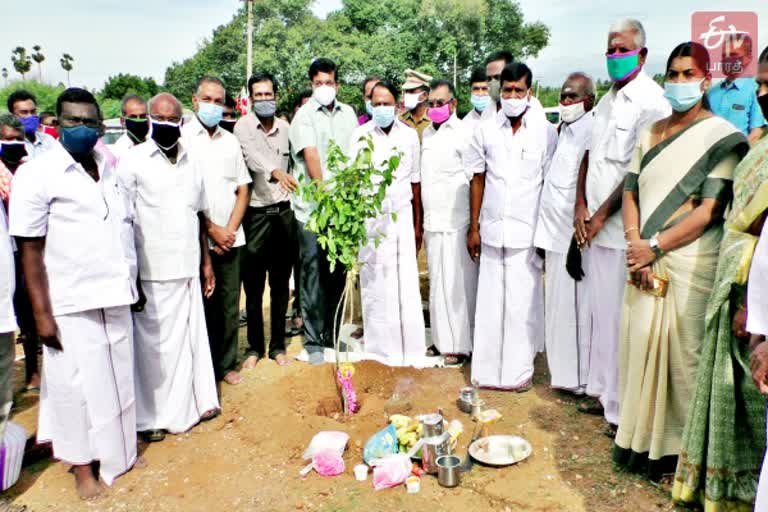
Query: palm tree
{"type": "Point", "coordinates": [5, 76]}
{"type": "Point", "coordinates": [39, 58]}
{"type": "Point", "coordinates": [66, 64]}
{"type": "Point", "coordinates": [22, 63]}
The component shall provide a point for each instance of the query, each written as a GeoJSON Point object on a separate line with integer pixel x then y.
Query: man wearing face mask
{"type": "Point", "coordinates": [445, 191]}
{"type": "Point", "coordinates": [368, 84]}
{"type": "Point", "coordinates": [23, 105]}
{"type": "Point", "coordinates": [49, 124]}
{"type": "Point", "coordinates": [494, 65]}
{"type": "Point", "coordinates": [565, 330]}
{"type": "Point", "coordinates": [509, 156]}
{"type": "Point", "coordinates": [415, 92]}
{"type": "Point", "coordinates": [175, 382]}
{"type": "Point", "coordinates": [229, 115]}
{"type": "Point", "coordinates": [735, 98]}
{"type": "Point", "coordinates": [217, 153]}
{"type": "Point", "coordinates": [269, 223]}
{"type": "Point", "coordinates": [633, 101]}
{"type": "Point", "coordinates": [322, 119]}
{"type": "Point", "coordinates": [133, 118]}
{"type": "Point", "coordinates": [389, 276]}
{"type": "Point", "coordinates": [480, 99]}
{"type": "Point", "coordinates": [68, 210]}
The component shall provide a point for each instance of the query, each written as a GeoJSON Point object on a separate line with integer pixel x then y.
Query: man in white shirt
{"type": "Point", "coordinates": [633, 101]}
{"type": "Point", "coordinates": [217, 154]}
{"type": "Point", "coordinates": [389, 277]}
{"type": "Point", "coordinates": [445, 193]}
{"type": "Point", "coordinates": [494, 65]}
{"type": "Point", "coordinates": [23, 105]}
{"type": "Point", "coordinates": [270, 226]}
{"type": "Point", "coordinates": [7, 320]}
{"type": "Point", "coordinates": [479, 98]}
{"type": "Point", "coordinates": [509, 156]}
{"type": "Point", "coordinates": [175, 383]}
{"type": "Point", "coordinates": [133, 118]}
{"type": "Point", "coordinates": [565, 331]}
{"type": "Point", "coordinates": [322, 119]}
{"type": "Point", "coordinates": [72, 221]}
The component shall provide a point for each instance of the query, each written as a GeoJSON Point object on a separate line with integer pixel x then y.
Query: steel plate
{"type": "Point", "coordinates": [500, 450]}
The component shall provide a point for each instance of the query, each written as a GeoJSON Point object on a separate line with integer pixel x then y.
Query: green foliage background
{"type": "Point", "coordinates": [364, 37]}
{"type": "Point", "coordinates": [46, 94]}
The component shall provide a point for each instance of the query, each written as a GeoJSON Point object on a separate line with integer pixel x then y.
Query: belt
{"type": "Point", "coordinates": [273, 209]}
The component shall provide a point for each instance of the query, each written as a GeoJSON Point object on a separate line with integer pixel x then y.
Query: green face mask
{"type": "Point", "coordinates": [622, 65]}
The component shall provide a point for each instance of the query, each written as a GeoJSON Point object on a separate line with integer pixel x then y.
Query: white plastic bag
{"type": "Point", "coordinates": [327, 441]}
{"type": "Point", "coordinates": [391, 471]}
{"type": "Point", "coordinates": [11, 454]}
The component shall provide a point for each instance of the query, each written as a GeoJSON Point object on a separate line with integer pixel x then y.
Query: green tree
{"type": "Point", "coordinates": [116, 87]}
{"type": "Point", "coordinates": [66, 65]}
{"type": "Point", "coordinates": [5, 77]}
{"type": "Point", "coordinates": [39, 58]}
{"type": "Point", "coordinates": [22, 62]}
{"type": "Point", "coordinates": [46, 94]}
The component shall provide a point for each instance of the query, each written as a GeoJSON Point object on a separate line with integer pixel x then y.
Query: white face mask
{"type": "Point", "coordinates": [573, 112]}
{"type": "Point", "coordinates": [513, 107]}
{"type": "Point", "coordinates": [325, 94]}
{"type": "Point", "coordinates": [411, 101]}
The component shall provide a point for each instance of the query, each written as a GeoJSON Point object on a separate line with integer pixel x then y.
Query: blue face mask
{"type": "Point", "coordinates": [369, 107]}
{"type": "Point", "coordinates": [30, 124]}
{"type": "Point", "coordinates": [384, 115]}
{"type": "Point", "coordinates": [480, 102]}
{"type": "Point", "coordinates": [79, 140]}
{"type": "Point", "coordinates": [683, 95]}
{"type": "Point", "coordinates": [209, 114]}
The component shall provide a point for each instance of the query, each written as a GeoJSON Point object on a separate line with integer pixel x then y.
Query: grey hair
{"type": "Point", "coordinates": [129, 98]}
{"type": "Point", "coordinates": [168, 96]}
{"type": "Point", "coordinates": [11, 121]}
{"type": "Point", "coordinates": [209, 79]}
{"type": "Point", "coordinates": [629, 24]}
{"type": "Point", "coordinates": [589, 84]}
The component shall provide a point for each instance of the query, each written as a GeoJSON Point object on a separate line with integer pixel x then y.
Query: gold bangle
{"type": "Point", "coordinates": [631, 229]}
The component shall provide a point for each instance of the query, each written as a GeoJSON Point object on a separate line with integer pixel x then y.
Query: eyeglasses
{"type": "Point", "coordinates": [438, 103]}
{"type": "Point", "coordinates": [161, 119]}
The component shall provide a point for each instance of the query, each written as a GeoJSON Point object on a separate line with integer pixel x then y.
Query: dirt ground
{"type": "Point", "coordinates": [249, 457]}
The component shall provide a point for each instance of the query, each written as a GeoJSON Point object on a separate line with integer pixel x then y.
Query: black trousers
{"type": "Point", "coordinates": [26, 321]}
{"type": "Point", "coordinates": [271, 251]}
{"type": "Point", "coordinates": [222, 312]}
{"type": "Point", "coordinates": [321, 291]}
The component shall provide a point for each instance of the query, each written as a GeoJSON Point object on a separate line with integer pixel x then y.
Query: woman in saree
{"type": "Point", "coordinates": [724, 435]}
{"type": "Point", "coordinates": [677, 189]}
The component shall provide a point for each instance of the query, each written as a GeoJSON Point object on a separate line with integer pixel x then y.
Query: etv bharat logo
{"type": "Point", "coordinates": [730, 37]}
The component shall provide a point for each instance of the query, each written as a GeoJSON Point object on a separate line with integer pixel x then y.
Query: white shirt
{"type": "Point", "coordinates": [84, 223]}
{"type": "Point", "coordinates": [221, 163]}
{"type": "Point", "coordinates": [554, 229]}
{"type": "Point", "coordinates": [401, 138]}
{"type": "Point", "coordinates": [471, 120]}
{"type": "Point", "coordinates": [445, 179]}
{"type": "Point", "coordinates": [43, 143]}
{"type": "Point", "coordinates": [618, 120]}
{"type": "Point", "coordinates": [7, 277]}
{"type": "Point", "coordinates": [166, 198]}
{"type": "Point", "coordinates": [121, 146]}
{"type": "Point", "coordinates": [515, 166]}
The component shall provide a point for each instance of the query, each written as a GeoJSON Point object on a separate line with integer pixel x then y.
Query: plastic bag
{"type": "Point", "coordinates": [328, 463]}
{"type": "Point", "coordinates": [391, 471]}
{"type": "Point", "coordinates": [12, 453]}
{"type": "Point", "coordinates": [382, 443]}
{"type": "Point", "coordinates": [331, 441]}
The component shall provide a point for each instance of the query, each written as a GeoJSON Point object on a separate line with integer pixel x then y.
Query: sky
{"type": "Point", "coordinates": [143, 37]}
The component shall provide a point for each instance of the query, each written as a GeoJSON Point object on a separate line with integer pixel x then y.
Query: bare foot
{"type": "Point", "coordinates": [233, 378]}
{"type": "Point", "coordinates": [250, 362]}
{"type": "Point", "coordinates": [281, 359]}
{"type": "Point", "coordinates": [88, 488]}
{"type": "Point", "coordinates": [34, 382]}
{"type": "Point", "coordinates": [209, 415]}
{"type": "Point", "coordinates": [357, 334]}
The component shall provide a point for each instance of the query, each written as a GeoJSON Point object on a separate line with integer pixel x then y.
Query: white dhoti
{"type": "Point", "coordinates": [87, 405]}
{"type": "Point", "coordinates": [389, 287]}
{"type": "Point", "coordinates": [175, 384]}
{"type": "Point", "coordinates": [508, 322]}
{"type": "Point", "coordinates": [452, 291]}
{"type": "Point", "coordinates": [607, 271]}
{"type": "Point", "coordinates": [566, 321]}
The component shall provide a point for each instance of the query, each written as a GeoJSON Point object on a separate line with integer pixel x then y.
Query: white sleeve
{"type": "Point", "coordinates": [416, 159]}
{"type": "Point", "coordinates": [474, 159]}
{"type": "Point", "coordinates": [29, 204]}
{"type": "Point", "coordinates": [757, 289]}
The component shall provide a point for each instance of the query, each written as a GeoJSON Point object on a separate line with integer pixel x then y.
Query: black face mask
{"type": "Point", "coordinates": [228, 125]}
{"type": "Point", "coordinates": [12, 153]}
{"type": "Point", "coordinates": [137, 129]}
{"type": "Point", "coordinates": [763, 101]}
{"type": "Point", "coordinates": [166, 135]}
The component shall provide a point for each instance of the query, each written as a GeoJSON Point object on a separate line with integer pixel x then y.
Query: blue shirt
{"type": "Point", "coordinates": [737, 103]}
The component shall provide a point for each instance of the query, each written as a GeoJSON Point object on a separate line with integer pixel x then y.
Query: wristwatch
{"type": "Point", "coordinates": [654, 243]}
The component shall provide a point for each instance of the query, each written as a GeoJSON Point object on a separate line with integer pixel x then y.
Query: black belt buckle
{"type": "Point", "coordinates": [272, 210]}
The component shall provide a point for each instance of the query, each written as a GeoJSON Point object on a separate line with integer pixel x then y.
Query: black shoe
{"type": "Point", "coordinates": [153, 436]}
